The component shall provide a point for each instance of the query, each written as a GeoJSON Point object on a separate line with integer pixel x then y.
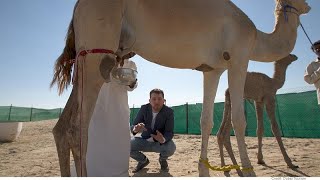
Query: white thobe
{"type": "Point", "coordinates": [312, 76]}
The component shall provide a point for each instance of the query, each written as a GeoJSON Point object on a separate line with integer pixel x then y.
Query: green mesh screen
{"type": "Point", "coordinates": [180, 119]}
{"type": "Point", "coordinates": [297, 115]}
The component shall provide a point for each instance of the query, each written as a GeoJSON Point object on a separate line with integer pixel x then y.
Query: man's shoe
{"type": "Point", "coordinates": [164, 165]}
{"type": "Point", "coordinates": [141, 166]}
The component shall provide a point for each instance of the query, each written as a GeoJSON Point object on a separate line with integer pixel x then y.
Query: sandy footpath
{"type": "Point", "coordinates": [34, 154]}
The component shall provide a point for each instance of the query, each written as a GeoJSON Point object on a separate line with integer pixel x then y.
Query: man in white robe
{"type": "Point", "coordinates": [312, 73]}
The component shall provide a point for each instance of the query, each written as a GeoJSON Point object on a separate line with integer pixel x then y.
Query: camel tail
{"type": "Point", "coordinates": [63, 67]}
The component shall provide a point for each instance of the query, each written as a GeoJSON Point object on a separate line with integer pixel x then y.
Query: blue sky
{"type": "Point", "coordinates": [32, 36]}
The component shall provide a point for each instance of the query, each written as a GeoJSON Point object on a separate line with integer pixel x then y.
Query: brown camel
{"type": "Point", "coordinates": [208, 42]}
{"type": "Point", "coordinates": [262, 90]}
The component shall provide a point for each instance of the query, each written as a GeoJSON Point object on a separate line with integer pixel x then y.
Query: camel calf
{"type": "Point", "coordinates": [262, 89]}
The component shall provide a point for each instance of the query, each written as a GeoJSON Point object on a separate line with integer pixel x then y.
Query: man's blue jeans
{"type": "Point", "coordinates": [138, 144]}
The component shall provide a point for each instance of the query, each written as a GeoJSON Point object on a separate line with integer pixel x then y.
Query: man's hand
{"type": "Point", "coordinates": [139, 128]}
{"type": "Point", "coordinates": [159, 137]}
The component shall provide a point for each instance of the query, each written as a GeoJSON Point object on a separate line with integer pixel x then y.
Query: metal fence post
{"type": "Point", "coordinates": [10, 113]}
{"type": "Point", "coordinates": [31, 114]}
{"type": "Point", "coordinates": [60, 112]}
{"type": "Point", "coordinates": [187, 117]}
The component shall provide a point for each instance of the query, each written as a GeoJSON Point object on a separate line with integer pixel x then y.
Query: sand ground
{"type": "Point", "coordinates": [34, 154]}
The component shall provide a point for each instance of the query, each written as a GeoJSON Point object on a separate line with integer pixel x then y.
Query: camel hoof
{"type": "Point", "coordinates": [240, 174]}
{"type": "Point", "coordinates": [227, 174]}
{"type": "Point", "coordinates": [249, 173]}
{"type": "Point", "coordinates": [204, 174]}
{"type": "Point", "coordinates": [203, 170]}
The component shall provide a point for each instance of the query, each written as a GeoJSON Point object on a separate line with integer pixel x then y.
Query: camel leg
{"type": "Point", "coordinates": [211, 80]}
{"type": "Point", "coordinates": [73, 132]}
{"type": "Point", "coordinates": [228, 146]}
{"type": "Point", "coordinates": [223, 134]}
{"type": "Point", "coordinates": [90, 83]}
{"type": "Point", "coordinates": [88, 76]}
{"type": "Point", "coordinates": [67, 135]}
{"type": "Point", "coordinates": [63, 150]}
{"type": "Point", "coordinates": [75, 149]}
{"type": "Point", "coordinates": [97, 24]}
{"type": "Point", "coordinates": [260, 130]}
{"type": "Point", "coordinates": [60, 133]}
{"type": "Point", "coordinates": [270, 107]}
{"type": "Point", "coordinates": [236, 78]}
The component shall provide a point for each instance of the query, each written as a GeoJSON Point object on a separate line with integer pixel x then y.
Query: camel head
{"type": "Point", "coordinates": [286, 61]}
{"type": "Point", "coordinates": [295, 6]}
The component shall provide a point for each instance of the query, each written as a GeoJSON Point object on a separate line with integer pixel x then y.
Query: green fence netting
{"type": "Point", "coordinates": [22, 114]}
{"type": "Point", "coordinates": [297, 115]}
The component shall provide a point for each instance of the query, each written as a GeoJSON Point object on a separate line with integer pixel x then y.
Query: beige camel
{"type": "Point", "coordinates": [262, 89]}
{"type": "Point", "coordinates": [207, 33]}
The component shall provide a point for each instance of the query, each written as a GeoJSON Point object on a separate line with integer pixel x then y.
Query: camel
{"type": "Point", "coordinates": [209, 42]}
{"type": "Point", "coordinates": [262, 90]}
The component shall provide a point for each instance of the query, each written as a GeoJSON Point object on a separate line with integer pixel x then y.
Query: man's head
{"type": "Point", "coordinates": [316, 48]}
{"type": "Point", "coordinates": [156, 99]}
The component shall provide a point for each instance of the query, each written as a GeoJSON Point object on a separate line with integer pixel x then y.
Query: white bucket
{"type": "Point", "coordinates": [10, 131]}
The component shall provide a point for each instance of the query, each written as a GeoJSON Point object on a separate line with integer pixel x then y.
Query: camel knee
{"type": "Point", "coordinates": [223, 135]}
{"type": "Point", "coordinates": [274, 127]}
{"type": "Point", "coordinates": [220, 138]}
{"type": "Point", "coordinates": [58, 132]}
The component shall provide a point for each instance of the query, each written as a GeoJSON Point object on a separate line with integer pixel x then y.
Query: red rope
{"type": "Point", "coordinates": [84, 53]}
{"type": "Point", "coordinates": [81, 118]}
{"type": "Point", "coordinates": [105, 51]}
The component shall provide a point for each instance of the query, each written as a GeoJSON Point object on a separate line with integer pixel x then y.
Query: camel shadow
{"type": "Point", "coordinates": [144, 173]}
{"type": "Point", "coordinates": [287, 173]}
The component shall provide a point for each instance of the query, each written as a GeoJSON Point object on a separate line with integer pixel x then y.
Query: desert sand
{"type": "Point", "coordinates": [34, 154]}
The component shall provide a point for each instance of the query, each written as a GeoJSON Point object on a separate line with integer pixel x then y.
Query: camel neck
{"type": "Point", "coordinates": [279, 75]}
{"type": "Point", "coordinates": [284, 34]}
{"type": "Point", "coordinates": [280, 42]}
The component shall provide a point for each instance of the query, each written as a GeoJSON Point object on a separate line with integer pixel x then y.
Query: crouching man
{"type": "Point", "coordinates": [155, 121]}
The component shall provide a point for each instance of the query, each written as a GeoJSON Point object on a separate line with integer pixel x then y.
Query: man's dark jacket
{"type": "Point", "coordinates": [164, 122]}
